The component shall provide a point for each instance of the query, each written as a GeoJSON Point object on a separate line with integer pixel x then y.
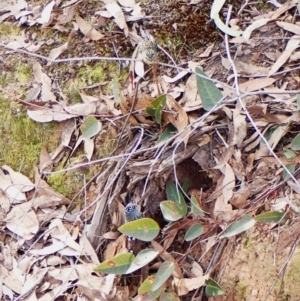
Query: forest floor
{"type": "Point", "coordinates": [87, 127]}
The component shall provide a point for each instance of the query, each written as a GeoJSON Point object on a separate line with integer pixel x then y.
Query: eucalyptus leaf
{"type": "Point", "coordinates": [195, 207]}
{"type": "Point", "coordinates": [291, 168]}
{"type": "Point", "coordinates": [145, 289]}
{"type": "Point", "coordinates": [142, 259]}
{"type": "Point", "coordinates": [213, 288]}
{"type": "Point", "coordinates": [238, 227]}
{"type": "Point", "coordinates": [158, 105]}
{"type": "Point", "coordinates": [194, 232]}
{"type": "Point", "coordinates": [144, 229]}
{"type": "Point", "coordinates": [270, 217]}
{"type": "Point", "coordinates": [117, 265]}
{"type": "Point", "coordinates": [176, 196]}
{"type": "Point", "coordinates": [185, 186]}
{"type": "Point", "coordinates": [298, 102]}
{"type": "Point", "coordinates": [210, 95]}
{"type": "Point", "coordinates": [289, 154]}
{"type": "Point", "coordinates": [295, 145]}
{"type": "Point", "coordinates": [170, 211]}
{"type": "Point", "coordinates": [164, 272]}
{"type": "Point", "coordinates": [90, 127]}
{"type": "Point", "coordinates": [167, 134]}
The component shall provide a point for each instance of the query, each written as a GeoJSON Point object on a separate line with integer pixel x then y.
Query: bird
{"type": "Point", "coordinates": [132, 212]}
{"type": "Point", "coordinates": [148, 51]}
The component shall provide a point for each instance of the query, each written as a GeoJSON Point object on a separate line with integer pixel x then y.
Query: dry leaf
{"type": "Point", "coordinates": [289, 27]}
{"type": "Point", "coordinates": [4, 202]}
{"type": "Point", "coordinates": [62, 112]}
{"type": "Point", "coordinates": [291, 46]}
{"type": "Point", "coordinates": [228, 183]}
{"type": "Point", "coordinates": [115, 10]}
{"type": "Point", "coordinates": [46, 13]}
{"type": "Point", "coordinates": [174, 79]}
{"type": "Point", "coordinates": [256, 24]}
{"type": "Point", "coordinates": [256, 84]}
{"type": "Point", "coordinates": [183, 286]}
{"type": "Point", "coordinates": [14, 194]}
{"type": "Point", "coordinates": [240, 127]}
{"type": "Point", "coordinates": [22, 221]}
{"type": "Point", "coordinates": [88, 30]}
{"type": "Point", "coordinates": [18, 180]}
{"type": "Point", "coordinates": [176, 115]}
{"type": "Point", "coordinates": [191, 100]}
{"type": "Point", "coordinates": [244, 68]}
{"type": "Point", "coordinates": [43, 79]}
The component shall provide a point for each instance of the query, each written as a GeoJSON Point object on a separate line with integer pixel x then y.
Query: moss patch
{"type": "Point", "coordinates": [22, 139]}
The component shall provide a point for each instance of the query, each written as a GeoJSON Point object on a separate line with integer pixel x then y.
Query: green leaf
{"type": "Point", "coordinates": [150, 111]}
{"type": "Point", "coordinates": [289, 154]}
{"type": "Point", "coordinates": [185, 186]}
{"type": "Point", "coordinates": [195, 208]}
{"type": "Point", "coordinates": [164, 272]}
{"type": "Point", "coordinates": [170, 210]}
{"type": "Point", "coordinates": [145, 288]}
{"type": "Point", "coordinates": [171, 296]}
{"type": "Point", "coordinates": [295, 145]}
{"type": "Point", "coordinates": [238, 227]}
{"type": "Point", "coordinates": [176, 196]}
{"type": "Point", "coordinates": [270, 217]}
{"type": "Point", "coordinates": [193, 232]}
{"type": "Point", "coordinates": [213, 288]}
{"type": "Point", "coordinates": [291, 168]}
{"type": "Point", "coordinates": [117, 265]}
{"type": "Point", "coordinates": [144, 229]}
{"type": "Point", "coordinates": [142, 259]}
{"type": "Point", "coordinates": [90, 127]}
{"type": "Point", "coordinates": [210, 95]}
{"type": "Point", "coordinates": [298, 102]}
{"type": "Point", "coordinates": [159, 105]}
{"type": "Point", "coordinates": [167, 134]}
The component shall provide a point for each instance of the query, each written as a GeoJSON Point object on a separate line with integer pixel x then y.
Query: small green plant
{"type": "Point", "coordinates": [146, 229]}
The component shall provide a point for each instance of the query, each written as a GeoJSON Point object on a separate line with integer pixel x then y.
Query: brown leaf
{"type": "Point", "coordinates": [289, 27]}
{"type": "Point", "coordinates": [240, 127]}
{"type": "Point", "coordinates": [256, 84]}
{"type": "Point", "coordinates": [43, 79]}
{"type": "Point", "coordinates": [22, 221]}
{"type": "Point", "coordinates": [88, 30]}
{"type": "Point", "coordinates": [19, 181]}
{"type": "Point", "coordinates": [62, 112]}
{"type": "Point", "coordinates": [262, 110]}
{"type": "Point", "coordinates": [291, 46]}
{"type": "Point", "coordinates": [14, 194]}
{"type": "Point", "coordinates": [176, 115]}
{"type": "Point", "coordinates": [244, 68]}
{"type": "Point", "coordinates": [115, 10]}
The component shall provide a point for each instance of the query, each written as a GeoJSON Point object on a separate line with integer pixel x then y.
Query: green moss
{"type": "Point", "coordinates": [22, 139]}
{"type": "Point", "coordinates": [69, 183]}
{"type": "Point", "coordinates": [72, 89]}
{"type": "Point", "coordinates": [93, 74]}
{"type": "Point", "coordinates": [9, 30]}
{"type": "Point", "coordinates": [23, 72]}
{"type": "Point", "coordinates": [66, 183]}
{"type": "Point", "coordinates": [90, 74]}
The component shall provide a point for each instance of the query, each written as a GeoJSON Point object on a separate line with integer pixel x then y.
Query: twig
{"type": "Point", "coordinates": [169, 56]}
